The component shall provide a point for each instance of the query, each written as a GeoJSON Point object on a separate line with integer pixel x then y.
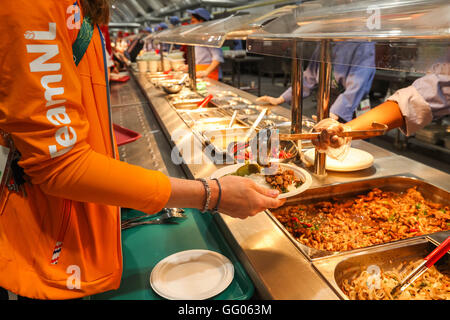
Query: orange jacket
{"type": "Point", "coordinates": [62, 240]}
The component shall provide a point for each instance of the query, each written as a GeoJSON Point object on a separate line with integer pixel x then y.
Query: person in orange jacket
{"type": "Point", "coordinates": [60, 234]}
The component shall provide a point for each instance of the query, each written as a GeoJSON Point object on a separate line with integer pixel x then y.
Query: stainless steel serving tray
{"type": "Point", "coordinates": [351, 189]}
{"type": "Point", "coordinates": [220, 139]}
{"type": "Point", "coordinates": [217, 120]}
{"type": "Point", "coordinates": [384, 257]}
{"type": "Point", "coordinates": [251, 117]}
{"type": "Point", "coordinates": [191, 104]}
{"type": "Point", "coordinates": [202, 114]}
{"type": "Point", "coordinates": [227, 94]}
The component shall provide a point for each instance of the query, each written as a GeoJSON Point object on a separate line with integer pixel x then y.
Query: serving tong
{"type": "Point", "coordinates": [164, 218]}
{"type": "Point", "coordinates": [205, 101]}
{"type": "Point", "coordinates": [427, 263]}
{"type": "Point", "coordinates": [377, 130]}
{"type": "Point", "coordinates": [233, 119]}
{"type": "Point", "coordinates": [264, 137]}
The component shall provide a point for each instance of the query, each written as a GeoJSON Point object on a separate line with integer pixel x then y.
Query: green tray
{"type": "Point", "coordinates": [144, 246]}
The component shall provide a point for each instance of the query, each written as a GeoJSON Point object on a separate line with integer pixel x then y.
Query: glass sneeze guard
{"type": "Point", "coordinates": [407, 35]}
{"type": "Point", "coordinates": [214, 33]}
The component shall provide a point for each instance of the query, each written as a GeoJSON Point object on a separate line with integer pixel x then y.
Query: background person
{"type": "Point", "coordinates": [207, 59]}
{"type": "Point", "coordinates": [352, 77]}
{"type": "Point", "coordinates": [409, 109]}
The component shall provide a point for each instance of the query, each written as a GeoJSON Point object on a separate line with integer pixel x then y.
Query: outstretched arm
{"type": "Point", "coordinates": [240, 197]}
{"type": "Point", "coordinates": [386, 113]}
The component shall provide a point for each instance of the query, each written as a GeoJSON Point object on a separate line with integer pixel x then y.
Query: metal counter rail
{"type": "Point", "coordinates": [278, 269]}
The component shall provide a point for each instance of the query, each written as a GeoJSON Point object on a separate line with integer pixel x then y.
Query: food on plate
{"type": "Point", "coordinates": [369, 219]}
{"type": "Point", "coordinates": [432, 285]}
{"type": "Point", "coordinates": [248, 169]}
{"type": "Point", "coordinates": [284, 180]}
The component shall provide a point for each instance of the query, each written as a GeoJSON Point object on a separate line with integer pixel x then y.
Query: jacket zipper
{"type": "Point", "coordinates": [111, 130]}
{"type": "Point", "coordinates": [105, 66]}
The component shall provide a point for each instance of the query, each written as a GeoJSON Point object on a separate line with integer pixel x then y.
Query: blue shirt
{"type": "Point", "coordinates": [353, 69]}
{"type": "Point", "coordinates": [205, 55]}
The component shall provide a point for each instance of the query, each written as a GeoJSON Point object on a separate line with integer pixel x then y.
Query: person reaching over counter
{"type": "Point", "coordinates": [207, 60]}
{"type": "Point", "coordinates": [409, 109]}
{"type": "Point", "coordinates": [353, 73]}
{"type": "Point", "coordinates": [63, 212]}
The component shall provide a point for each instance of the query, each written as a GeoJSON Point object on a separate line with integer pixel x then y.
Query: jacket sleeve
{"type": "Point", "coordinates": [41, 106]}
{"type": "Point", "coordinates": [287, 95]}
{"type": "Point", "coordinates": [435, 89]}
{"type": "Point", "coordinates": [426, 99]}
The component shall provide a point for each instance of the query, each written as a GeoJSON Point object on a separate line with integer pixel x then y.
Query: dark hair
{"type": "Point", "coordinates": [96, 10]}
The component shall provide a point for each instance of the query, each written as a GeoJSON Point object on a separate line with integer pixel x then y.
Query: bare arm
{"type": "Point", "coordinates": [241, 197]}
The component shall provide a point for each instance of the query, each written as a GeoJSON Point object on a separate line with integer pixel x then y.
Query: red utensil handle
{"type": "Point", "coordinates": [437, 253]}
{"type": "Point", "coordinates": [205, 101]}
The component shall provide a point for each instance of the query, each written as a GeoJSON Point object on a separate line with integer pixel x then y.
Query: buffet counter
{"type": "Point", "coordinates": [278, 267]}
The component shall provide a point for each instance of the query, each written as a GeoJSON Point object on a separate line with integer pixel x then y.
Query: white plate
{"type": "Point", "coordinates": [356, 159]}
{"type": "Point", "coordinates": [300, 173]}
{"type": "Point", "coordinates": [192, 275]}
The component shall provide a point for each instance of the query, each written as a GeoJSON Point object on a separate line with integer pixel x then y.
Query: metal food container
{"type": "Point", "coordinates": [272, 117]}
{"type": "Point", "coordinates": [285, 127]}
{"type": "Point", "coordinates": [220, 139]}
{"type": "Point", "coordinates": [352, 189]}
{"type": "Point", "coordinates": [156, 75]}
{"type": "Point", "coordinates": [164, 82]}
{"type": "Point", "coordinates": [201, 114]}
{"type": "Point", "coordinates": [384, 257]}
{"type": "Point", "coordinates": [221, 102]}
{"type": "Point", "coordinates": [190, 104]}
{"type": "Point", "coordinates": [185, 94]}
{"type": "Point", "coordinates": [215, 124]}
{"type": "Point", "coordinates": [228, 94]}
{"type": "Point", "coordinates": [241, 100]}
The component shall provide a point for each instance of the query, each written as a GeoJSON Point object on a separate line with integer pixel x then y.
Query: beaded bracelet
{"type": "Point", "coordinates": [208, 194]}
